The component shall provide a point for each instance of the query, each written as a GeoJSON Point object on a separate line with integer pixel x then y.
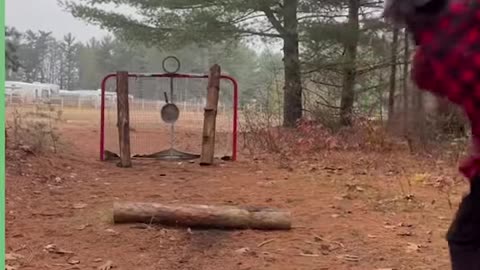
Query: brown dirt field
{"type": "Point", "coordinates": [349, 209]}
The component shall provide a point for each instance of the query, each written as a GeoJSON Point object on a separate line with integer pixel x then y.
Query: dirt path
{"type": "Point", "coordinates": [350, 212]}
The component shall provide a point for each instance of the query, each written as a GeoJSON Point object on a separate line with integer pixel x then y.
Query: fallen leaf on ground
{"type": "Point", "coordinates": [405, 234]}
{"type": "Point", "coordinates": [359, 189]}
{"type": "Point", "coordinates": [112, 231]}
{"type": "Point", "coordinates": [265, 242]}
{"type": "Point", "coordinates": [242, 251]}
{"type": "Point", "coordinates": [83, 227]}
{"type": "Point", "coordinates": [22, 247]}
{"type": "Point", "coordinates": [420, 177]}
{"type": "Point", "coordinates": [309, 255]}
{"type": "Point", "coordinates": [73, 261]}
{"type": "Point", "coordinates": [79, 205]}
{"type": "Point", "coordinates": [54, 249]}
{"type": "Point", "coordinates": [106, 266]}
{"type": "Point", "coordinates": [412, 247]}
{"type": "Point", "coordinates": [13, 256]}
{"type": "Point", "coordinates": [349, 258]}
{"type": "Point", "coordinates": [318, 238]}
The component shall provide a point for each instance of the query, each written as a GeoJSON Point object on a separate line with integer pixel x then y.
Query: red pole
{"type": "Point", "coordinates": [235, 116]}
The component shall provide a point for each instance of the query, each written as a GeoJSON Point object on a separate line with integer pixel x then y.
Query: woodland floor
{"type": "Point", "coordinates": [351, 210]}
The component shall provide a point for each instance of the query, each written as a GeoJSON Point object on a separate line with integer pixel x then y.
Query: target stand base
{"type": "Point", "coordinates": [170, 154]}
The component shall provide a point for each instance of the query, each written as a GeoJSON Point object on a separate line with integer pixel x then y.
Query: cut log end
{"type": "Point", "coordinates": [202, 216]}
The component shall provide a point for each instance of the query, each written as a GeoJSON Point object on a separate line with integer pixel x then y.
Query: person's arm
{"type": "Point", "coordinates": [475, 144]}
{"type": "Point", "coordinates": [471, 167]}
{"type": "Point", "coordinates": [432, 7]}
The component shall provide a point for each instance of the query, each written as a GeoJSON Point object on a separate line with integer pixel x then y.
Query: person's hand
{"type": "Point", "coordinates": [475, 145]}
{"type": "Point", "coordinates": [470, 167]}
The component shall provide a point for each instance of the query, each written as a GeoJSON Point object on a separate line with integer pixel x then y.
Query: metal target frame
{"type": "Point", "coordinates": [171, 75]}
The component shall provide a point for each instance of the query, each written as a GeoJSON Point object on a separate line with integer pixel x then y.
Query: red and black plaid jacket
{"type": "Point", "coordinates": [447, 63]}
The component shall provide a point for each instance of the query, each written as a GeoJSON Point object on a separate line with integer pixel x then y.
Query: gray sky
{"type": "Point", "coordinates": [46, 15]}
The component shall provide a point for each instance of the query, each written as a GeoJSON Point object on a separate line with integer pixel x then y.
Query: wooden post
{"type": "Point", "coordinates": [123, 119]}
{"type": "Point", "coordinates": [210, 116]}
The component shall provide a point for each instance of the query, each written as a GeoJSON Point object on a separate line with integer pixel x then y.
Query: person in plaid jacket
{"type": "Point", "coordinates": [447, 64]}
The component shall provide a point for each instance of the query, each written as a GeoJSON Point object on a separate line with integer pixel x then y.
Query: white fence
{"type": "Point", "coordinates": [89, 102]}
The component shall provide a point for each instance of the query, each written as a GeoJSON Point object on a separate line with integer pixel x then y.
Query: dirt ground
{"type": "Point", "coordinates": [350, 210]}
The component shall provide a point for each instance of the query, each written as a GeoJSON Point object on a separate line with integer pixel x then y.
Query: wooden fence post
{"type": "Point", "coordinates": [123, 119]}
{"type": "Point", "coordinates": [210, 116]}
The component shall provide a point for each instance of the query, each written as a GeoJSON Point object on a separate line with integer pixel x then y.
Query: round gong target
{"type": "Point", "coordinates": [171, 64]}
{"type": "Point", "coordinates": [170, 113]}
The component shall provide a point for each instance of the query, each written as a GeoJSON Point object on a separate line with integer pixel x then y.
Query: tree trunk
{"type": "Point", "coordinates": [292, 107]}
{"type": "Point", "coordinates": [42, 72]}
{"type": "Point", "coordinates": [349, 70]}
{"type": "Point", "coordinates": [62, 79]}
{"type": "Point", "coordinates": [393, 77]}
{"type": "Point", "coordinates": [381, 93]}
{"type": "Point", "coordinates": [418, 116]}
{"type": "Point", "coordinates": [204, 216]}
{"type": "Point", "coordinates": [406, 79]}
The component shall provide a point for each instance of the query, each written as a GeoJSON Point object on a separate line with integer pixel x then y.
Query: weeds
{"type": "Point", "coordinates": [262, 132]}
{"type": "Point", "coordinates": [36, 130]}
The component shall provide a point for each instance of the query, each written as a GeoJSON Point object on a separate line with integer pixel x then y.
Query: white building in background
{"type": "Point", "coordinates": [30, 92]}
{"type": "Point", "coordinates": [21, 92]}
{"type": "Point", "coordinates": [88, 98]}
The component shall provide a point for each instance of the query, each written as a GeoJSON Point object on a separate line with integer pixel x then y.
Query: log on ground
{"type": "Point", "coordinates": [202, 216]}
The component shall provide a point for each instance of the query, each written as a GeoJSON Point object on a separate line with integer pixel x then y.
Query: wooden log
{"type": "Point", "coordinates": [210, 116]}
{"type": "Point", "coordinates": [203, 216]}
{"type": "Point", "coordinates": [123, 119]}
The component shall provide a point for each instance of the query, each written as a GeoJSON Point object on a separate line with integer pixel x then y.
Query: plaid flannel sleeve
{"type": "Point", "coordinates": [471, 166]}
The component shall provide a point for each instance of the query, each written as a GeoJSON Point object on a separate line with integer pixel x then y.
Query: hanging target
{"type": "Point", "coordinates": [170, 113]}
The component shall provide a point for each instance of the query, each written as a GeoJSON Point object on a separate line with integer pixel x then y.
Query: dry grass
{"type": "Point", "coordinates": [34, 130]}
